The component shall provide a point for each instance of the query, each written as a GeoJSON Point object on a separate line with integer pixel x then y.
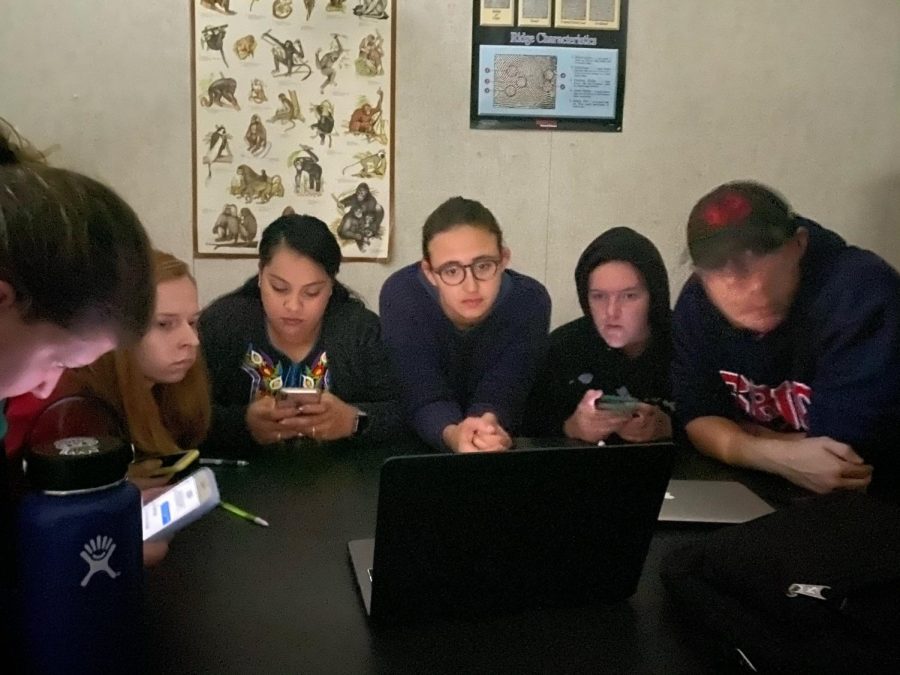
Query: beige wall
{"type": "Point", "coordinates": [801, 94]}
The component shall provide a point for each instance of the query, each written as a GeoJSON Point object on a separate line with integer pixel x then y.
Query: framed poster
{"type": "Point", "coordinates": [293, 112]}
{"type": "Point", "coordinates": [561, 66]}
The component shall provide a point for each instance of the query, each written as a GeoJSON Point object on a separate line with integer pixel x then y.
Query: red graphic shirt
{"type": "Point", "coordinates": [785, 406]}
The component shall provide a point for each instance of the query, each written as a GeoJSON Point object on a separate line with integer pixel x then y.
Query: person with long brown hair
{"type": "Point", "coordinates": [155, 392]}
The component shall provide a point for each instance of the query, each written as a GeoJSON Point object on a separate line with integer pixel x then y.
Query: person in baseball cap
{"type": "Point", "coordinates": [787, 346]}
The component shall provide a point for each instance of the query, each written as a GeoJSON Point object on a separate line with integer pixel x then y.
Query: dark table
{"type": "Point", "coordinates": [234, 597]}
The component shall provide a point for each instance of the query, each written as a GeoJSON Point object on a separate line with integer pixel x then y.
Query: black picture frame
{"type": "Point", "coordinates": [504, 37]}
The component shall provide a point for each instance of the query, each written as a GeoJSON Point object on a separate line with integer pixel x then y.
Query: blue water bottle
{"type": "Point", "coordinates": [80, 558]}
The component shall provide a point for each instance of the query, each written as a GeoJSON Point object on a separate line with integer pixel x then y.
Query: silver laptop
{"type": "Point", "coordinates": [488, 533]}
{"type": "Point", "coordinates": [711, 501]}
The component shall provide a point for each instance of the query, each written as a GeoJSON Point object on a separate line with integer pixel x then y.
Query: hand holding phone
{"type": "Point", "coordinates": [622, 405]}
{"type": "Point", "coordinates": [269, 421]}
{"type": "Point", "coordinates": [591, 422]}
{"type": "Point", "coordinates": [294, 397]}
{"type": "Point", "coordinates": [180, 505]}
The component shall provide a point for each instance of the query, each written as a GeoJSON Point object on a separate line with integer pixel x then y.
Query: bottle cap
{"type": "Point", "coordinates": [77, 463]}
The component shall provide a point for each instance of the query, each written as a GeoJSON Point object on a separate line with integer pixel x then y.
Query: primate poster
{"type": "Point", "coordinates": [293, 113]}
{"type": "Point", "coordinates": [550, 64]}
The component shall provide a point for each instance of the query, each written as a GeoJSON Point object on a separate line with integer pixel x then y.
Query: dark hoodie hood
{"type": "Point", "coordinates": [623, 243]}
{"type": "Point", "coordinates": [824, 245]}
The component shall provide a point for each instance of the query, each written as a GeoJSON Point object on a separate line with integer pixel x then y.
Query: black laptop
{"type": "Point", "coordinates": [480, 534]}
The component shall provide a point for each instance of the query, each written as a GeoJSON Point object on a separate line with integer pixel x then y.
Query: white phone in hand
{"type": "Point", "coordinates": [180, 505]}
{"type": "Point", "coordinates": [291, 397]}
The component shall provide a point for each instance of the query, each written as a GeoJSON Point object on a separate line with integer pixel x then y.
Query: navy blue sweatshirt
{"type": "Point", "coordinates": [831, 369]}
{"type": "Point", "coordinates": [446, 374]}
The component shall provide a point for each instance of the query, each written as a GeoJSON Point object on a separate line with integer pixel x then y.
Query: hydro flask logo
{"type": "Point", "coordinates": [96, 554]}
{"type": "Point", "coordinates": [78, 445]}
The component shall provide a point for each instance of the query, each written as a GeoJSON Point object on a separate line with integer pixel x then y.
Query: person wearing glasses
{"type": "Point", "coordinates": [466, 335]}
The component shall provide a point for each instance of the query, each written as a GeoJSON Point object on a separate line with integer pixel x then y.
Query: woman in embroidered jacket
{"type": "Point", "coordinates": [294, 324]}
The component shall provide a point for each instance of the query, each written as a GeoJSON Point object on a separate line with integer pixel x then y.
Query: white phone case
{"type": "Point", "coordinates": [180, 505]}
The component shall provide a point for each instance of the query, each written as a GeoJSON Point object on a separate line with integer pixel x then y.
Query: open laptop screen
{"type": "Point", "coordinates": [464, 535]}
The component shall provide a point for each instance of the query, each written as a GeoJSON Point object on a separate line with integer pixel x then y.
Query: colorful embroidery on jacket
{"type": "Point", "coordinates": [268, 376]}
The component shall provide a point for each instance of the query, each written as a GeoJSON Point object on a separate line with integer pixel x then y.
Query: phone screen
{"type": "Point", "coordinates": [179, 500]}
{"type": "Point", "coordinates": [624, 405]}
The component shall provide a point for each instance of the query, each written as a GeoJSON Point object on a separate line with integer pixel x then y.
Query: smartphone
{"type": "Point", "coordinates": [624, 405]}
{"type": "Point", "coordinates": [291, 397]}
{"type": "Point", "coordinates": [175, 463]}
{"type": "Point", "coordinates": [180, 505]}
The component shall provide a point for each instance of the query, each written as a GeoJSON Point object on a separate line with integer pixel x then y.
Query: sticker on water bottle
{"type": "Point", "coordinates": [77, 445]}
{"type": "Point", "coordinates": [96, 554]}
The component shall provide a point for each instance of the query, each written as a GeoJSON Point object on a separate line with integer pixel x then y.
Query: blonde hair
{"type": "Point", "coordinates": [166, 417]}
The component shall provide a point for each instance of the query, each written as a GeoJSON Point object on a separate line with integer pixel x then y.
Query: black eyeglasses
{"type": "Point", "coordinates": [483, 269]}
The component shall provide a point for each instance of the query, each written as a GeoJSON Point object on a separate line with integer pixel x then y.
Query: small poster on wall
{"type": "Point", "coordinates": [559, 66]}
{"type": "Point", "coordinates": [293, 112]}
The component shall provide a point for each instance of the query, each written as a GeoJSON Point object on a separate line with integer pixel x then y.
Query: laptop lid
{"type": "Point", "coordinates": [486, 533]}
{"type": "Point", "coordinates": [362, 552]}
{"type": "Point", "coordinates": [711, 501]}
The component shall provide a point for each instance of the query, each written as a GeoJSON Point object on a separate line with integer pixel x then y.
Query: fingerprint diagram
{"type": "Point", "coordinates": [524, 81]}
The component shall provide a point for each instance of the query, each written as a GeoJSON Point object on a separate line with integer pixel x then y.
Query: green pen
{"type": "Point", "coordinates": [240, 513]}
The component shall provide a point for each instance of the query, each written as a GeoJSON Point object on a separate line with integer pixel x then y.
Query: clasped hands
{"type": "Point", "coordinates": [328, 420]}
{"type": "Point", "coordinates": [477, 434]}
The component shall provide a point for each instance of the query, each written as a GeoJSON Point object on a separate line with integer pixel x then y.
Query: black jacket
{"type": "Point", "coordinates": [359, 372]}
{"type": "Point", "coordinates": [579, 359]}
